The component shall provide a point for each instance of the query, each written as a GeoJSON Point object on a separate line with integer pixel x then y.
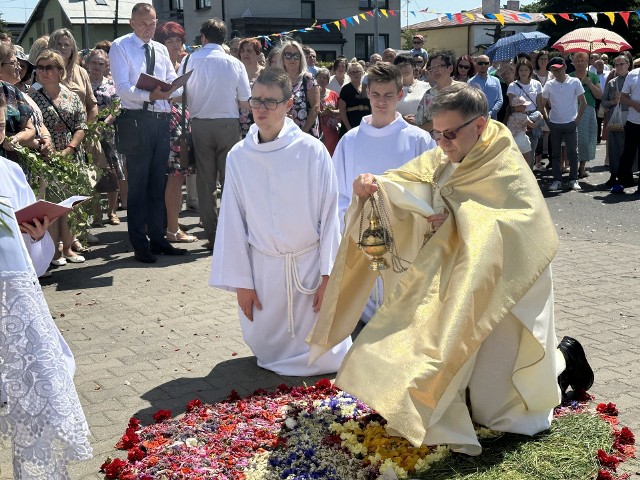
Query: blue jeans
{"type": "Point", "coordinates": [570, 133]}
{"type": "Point", "coordinates": [143, 137]}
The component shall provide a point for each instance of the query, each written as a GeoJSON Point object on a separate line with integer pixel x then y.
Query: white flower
{"type": "Point", "coordinates": [191, 442]}
{"type": "Point", "coordinates": [290, 423]}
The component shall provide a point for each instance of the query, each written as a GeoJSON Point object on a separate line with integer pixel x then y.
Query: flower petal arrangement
{"type": "Point", "coordinates": [307, 432]}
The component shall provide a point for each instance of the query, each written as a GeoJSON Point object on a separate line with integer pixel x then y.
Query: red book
{"type": "Point", "coordinates": [42, 208]}
{"type": "Point", "coordinates": [150, 83]}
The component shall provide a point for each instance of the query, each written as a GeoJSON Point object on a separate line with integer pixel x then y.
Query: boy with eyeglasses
{"type": "Point", "coordinates": [466, 333]}
{"type": "Point", "coordinates": [278, 233]}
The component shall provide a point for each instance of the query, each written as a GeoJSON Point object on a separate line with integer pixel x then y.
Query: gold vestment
{"type": "Point", "coordinates": [462, 283]}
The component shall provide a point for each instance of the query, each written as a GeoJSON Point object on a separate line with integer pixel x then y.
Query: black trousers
{"type": "Point", "coordinates": [631, 149]}
{"type": "Point", "coordinates": [143, 137]}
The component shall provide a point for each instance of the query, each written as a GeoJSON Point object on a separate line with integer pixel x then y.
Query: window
{"type": "Point", "coordinates": [364, 45]}
{"type": "Point", "coordinates": [325, 55]}
{"type": "Point", "coordinates": [505, 33]}
{"type": "Point", "coordinates": [101, 2]}
{"type": "Point", "coordinates": [308, 9]}
{"type": "Point", "coordinates": [175, 5]}
{"type": "Point", "coordinates": [51, 26]}
{"type": "Point", "coordinates": [200, 4]}
{"type": "Point", "coordinates": [370, 4]}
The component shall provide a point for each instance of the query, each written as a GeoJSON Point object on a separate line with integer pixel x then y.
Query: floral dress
{"type": "Point", "coordinates": [175, 130]}
{"type": "Point", "coordinates": [17, 115]}
{"type": "Point", "coordinates": [300, 108]}
{"type": "Point", "coordinates": [73, 118]}
{"type": "Point", "coordinates": [105, 94]}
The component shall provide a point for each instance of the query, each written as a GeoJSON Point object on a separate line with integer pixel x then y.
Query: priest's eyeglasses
{"type": "Point", "coordinates": [269, 103]}
{"type": "Point", "coordinates": [451, 134]}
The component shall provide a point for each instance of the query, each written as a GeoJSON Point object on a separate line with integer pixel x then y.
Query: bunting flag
{"type": "Point", "coordinates": [456, 17]}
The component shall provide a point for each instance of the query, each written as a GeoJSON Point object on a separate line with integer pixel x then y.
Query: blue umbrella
{"type": "Point", "coordinates": [508, 47]}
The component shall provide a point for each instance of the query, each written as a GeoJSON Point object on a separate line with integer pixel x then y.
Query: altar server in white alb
{"type": "Point", "coordinates": [383, 141]}
{"type": "Point", "coordinates": [278, 233]}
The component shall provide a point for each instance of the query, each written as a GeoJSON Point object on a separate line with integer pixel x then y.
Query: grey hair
{"type": "Point", "coordinates": [323, 71]}
{"type": "Point", "coordinates": [463, 98]}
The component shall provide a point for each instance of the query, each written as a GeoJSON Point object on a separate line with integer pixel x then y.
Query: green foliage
{"type": "Point", "coordinates": [567, 450]}
{"type": "Point", "coordinates": [61, 177]}
{"type": "Point", "coordinates": [406, 41]}
{"type": "Point", "coordinates": [631, 33]}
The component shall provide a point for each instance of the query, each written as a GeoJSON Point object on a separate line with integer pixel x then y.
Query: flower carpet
{"type": "Point", "coordinates": [321, 432]}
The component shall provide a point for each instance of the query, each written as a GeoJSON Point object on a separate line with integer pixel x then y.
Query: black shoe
{"type": "Point", "coordinates": [611, 182]}
{"type": "Point", "coordinates": [627, 182]}
{"type": "Point", "coordinates": [145, 256]}
{"type": "Point", "coordinates": [578, 374]}
{"type": "Point", "coordinates": [167, 249]}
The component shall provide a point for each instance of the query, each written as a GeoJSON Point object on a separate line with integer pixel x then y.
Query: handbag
{"type": "Point", "coordinates": [617, 120]}
{"type": "Point", "coordinates": [187, 152]}
{"type": "Point", "coordinates": [108, 181]}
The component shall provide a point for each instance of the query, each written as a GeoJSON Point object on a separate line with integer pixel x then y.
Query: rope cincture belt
{"type": "Point", "coordinates": [293, 280]}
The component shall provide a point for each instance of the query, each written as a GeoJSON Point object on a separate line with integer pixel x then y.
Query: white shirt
{"type": "Point", "coordinates": [408, 104]}
{"type": "Point", "coordinates": [335, 86]}
{"type": "Point", "coordinates": [217, 83]}
{"type": "Point", "coordinates": [127, 60]}
{"type": "Point", "coordinates": [529, 92]}
{"type": "Point", "coordinates": [632, 87]}
{"type": "Point", "coordinates": [367, 149]}
{"type": "Point", "coordinates": [563, 98]}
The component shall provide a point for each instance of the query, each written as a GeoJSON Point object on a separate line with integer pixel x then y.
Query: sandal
{"type": "Point", "coordinates": [113, 219]}
{"type": "Point", "coordinates": [179, 237]}
{"type": "Point", "coordinates": [76, 246]}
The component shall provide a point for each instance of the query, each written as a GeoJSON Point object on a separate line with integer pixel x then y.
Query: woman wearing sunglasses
{"type": "Point", "coordinates": [306, 93]}
{"type": "Point", "coordinates": [19, 126]}
{"type": "Point", "coordinates": [465, 69]}
{"type": "Point", "coordinates": [65, 118]}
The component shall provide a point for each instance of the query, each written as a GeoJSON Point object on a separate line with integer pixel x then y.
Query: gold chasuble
{"type": "Point", "coordinates": [497, 242]}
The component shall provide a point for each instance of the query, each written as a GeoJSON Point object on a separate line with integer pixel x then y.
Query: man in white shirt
{"type": "Point", "coordinates": [216, 90]}
{"type": "Point", "coordinates": [562, 103]}
{"type": "Point", "coordinates": [278, 233]}
{"type": "Point", "coordinates": [142, 131]}
{"type": "Point", "coordinates": [383, 141]}
{"type": "Point", "coordinates": [630, 96]}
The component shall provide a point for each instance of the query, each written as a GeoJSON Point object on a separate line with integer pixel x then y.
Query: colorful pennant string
{"type": "Point", "coordinates": [455, 17]}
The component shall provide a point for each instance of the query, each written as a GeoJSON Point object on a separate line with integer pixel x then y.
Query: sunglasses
{"type": "Point", "coordinates": [291, 56]}
{"type": "Point", "coordinates": [451, 134]}
{"type": "Point", "coordinates": [466, 67]}
{"type": "Point", "coordinates": [46, 68]}
{"type": "Point", "coordinates": [482, 63]}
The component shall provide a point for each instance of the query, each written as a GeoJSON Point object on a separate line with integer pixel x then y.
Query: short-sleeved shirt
{"type": "Point", "coordinates": [423, 113]}
{"type": "Point", "coordinates": [358, 105]}
{"type": "Point", "coordinates": [632, 86]}
{"type": "Point", "coordinates": [563, 98]}
{"type": "Point", "coordinates": [300, 108]}
{"type": "Point", "coordinates": [591, 100]}
{"type": "Point", "coordinates": [18, 109]}
{"type": "Point", "coordinates": [529, 91]}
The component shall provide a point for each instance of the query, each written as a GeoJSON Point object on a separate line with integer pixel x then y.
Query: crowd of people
{"type": "Point", "coordinates": [55, 91]}
{"type": "Point", "coordinates": [295, 151]}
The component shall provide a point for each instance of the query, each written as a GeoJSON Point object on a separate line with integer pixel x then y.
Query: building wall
{"type": "Point", "coordinates": [53, 16]}
{"type": "Point", "coordinates": [328, 9]}
{"type": "Point", "coordinates": [466, 38]}
{"type": "Point", "coordinates": [455, 39]}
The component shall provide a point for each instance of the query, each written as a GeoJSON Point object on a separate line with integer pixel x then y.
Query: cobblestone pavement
{"type": "Point", "coordinates": [151, 337]}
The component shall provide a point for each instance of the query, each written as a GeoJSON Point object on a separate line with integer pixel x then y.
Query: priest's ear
{"type": "Point", "coordinates": [289, 104]}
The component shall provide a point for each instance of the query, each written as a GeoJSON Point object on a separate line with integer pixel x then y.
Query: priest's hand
{"type": "Point", "coordinates": [437, 219]}
{"type": "Point", "coordinates": [35, 230]}
{"type": "Point", "coordinates": [365, 185]}
{"type": "Point", "coordinates": [247, 299]}
{"type": "Point", "coordinates": [317, 298]}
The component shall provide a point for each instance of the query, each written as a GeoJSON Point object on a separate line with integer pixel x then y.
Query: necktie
{"type": "Point", "coordinates": [150, 59]}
